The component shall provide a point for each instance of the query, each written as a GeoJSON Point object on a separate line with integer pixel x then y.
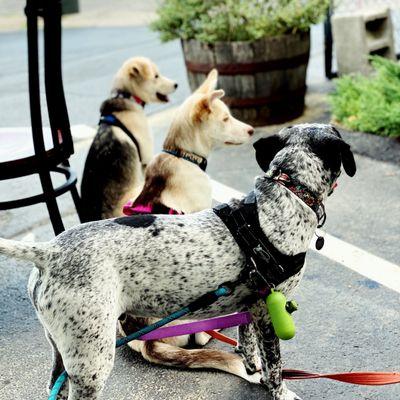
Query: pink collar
{"type": "Point", "coordinates": [130, 208]}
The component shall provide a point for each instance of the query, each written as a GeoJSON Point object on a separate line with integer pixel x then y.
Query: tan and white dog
{"type": "Point", "coordinates": [175, 180]}
{"type": "Point", "coordinates": [123, 145]}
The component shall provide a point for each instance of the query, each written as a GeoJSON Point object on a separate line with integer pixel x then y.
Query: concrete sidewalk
{"type": "Point", "coordinates": [92, 13]}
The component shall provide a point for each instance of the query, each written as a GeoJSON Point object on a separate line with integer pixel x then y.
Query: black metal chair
{"type": "Point", "coordinates": [51, 147]}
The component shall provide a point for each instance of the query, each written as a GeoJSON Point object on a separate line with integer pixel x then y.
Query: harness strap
{"type": "Point", "coordinates": [111, 119]}
{"type": "Point", "coordinates": [267, 266]}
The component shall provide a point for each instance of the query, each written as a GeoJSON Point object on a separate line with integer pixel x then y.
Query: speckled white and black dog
{"type": "Point", "coordinates": [153, 265]}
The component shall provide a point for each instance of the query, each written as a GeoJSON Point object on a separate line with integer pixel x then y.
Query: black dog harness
{"type": "Point", "coordinates": [266, 267]}
{"type": "Point", "coordinates": [111, 119]}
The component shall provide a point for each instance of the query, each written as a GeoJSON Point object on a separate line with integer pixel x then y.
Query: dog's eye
{"type": "Point", "coordinates": [157, 76]}
{"type": "Point", "coordinates": [226, 119]}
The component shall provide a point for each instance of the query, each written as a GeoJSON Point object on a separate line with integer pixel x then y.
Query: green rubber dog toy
{"type": "Point", "coordinates": [280, 312]}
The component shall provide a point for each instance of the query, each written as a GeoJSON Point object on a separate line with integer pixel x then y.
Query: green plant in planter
{"type": "Point", "coordinates": [210, 21]}
{"type": "Point", "coordinates": [370, 103]}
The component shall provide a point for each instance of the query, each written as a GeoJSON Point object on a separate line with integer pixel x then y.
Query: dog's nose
{"type": "Point", "coordinates": [175, 85]}
{"type": "Point", "coordinates": [250, 131]}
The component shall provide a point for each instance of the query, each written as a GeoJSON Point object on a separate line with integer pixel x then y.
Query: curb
{"type": "Point", "coordinates": [379, 148]}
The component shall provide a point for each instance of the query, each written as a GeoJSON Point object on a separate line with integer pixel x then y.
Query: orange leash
{"type": "Point", "coordinates": [222, 338]}
{"type": "Point", "coordinates": [356, 378]}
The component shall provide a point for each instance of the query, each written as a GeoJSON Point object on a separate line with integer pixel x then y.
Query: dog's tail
{"type": "Point", "coordinates": [37, 253]}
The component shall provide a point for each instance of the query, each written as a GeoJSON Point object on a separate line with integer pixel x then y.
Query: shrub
{"type": "Point", "coordinates": [370, 104]}
{"type": "Point", "coordinates": [235, 20]}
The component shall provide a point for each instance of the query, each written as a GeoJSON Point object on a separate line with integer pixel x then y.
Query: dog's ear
{"type": "Point", "coordinates": [348, 162]}
{"type": "Point", "coordinates": [210, 83]}
{"type": "Point", "coordinates": [216, 94]}
{"type": "Point", "coordinates": [266, 149]}
{"type": "Point", "coordinates": [134, 71]}
{"type": "Point", "coordinates": [334, 153]}
{"type": "Point", "coordinates": [202, 107]}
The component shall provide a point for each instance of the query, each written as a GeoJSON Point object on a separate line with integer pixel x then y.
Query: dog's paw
{"type": "Point", "coordinates": [202, 338]}
{"type": "Point", "coordinates": [254, 378]}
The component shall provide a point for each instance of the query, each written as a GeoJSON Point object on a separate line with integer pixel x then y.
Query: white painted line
{"type": "Point", "coordinates": [223, 193]}
{"type": "Point", "coordinates": [29, 237]}
{"type": "Point", "coordinates": [82, 132]}
{"type": "Point", "coordinates": [361, 261]}
{"type": "Point", "coordinates": [352, 257]}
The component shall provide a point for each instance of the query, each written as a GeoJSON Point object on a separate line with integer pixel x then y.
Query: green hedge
{"type": "Point", "coordinates": [370, 103]}
{"type": "Point", "coordinates": [235, 20]}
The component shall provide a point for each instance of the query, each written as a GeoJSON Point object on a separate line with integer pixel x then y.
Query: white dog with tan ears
{"type": "Point", "coordinates": [176, 179]}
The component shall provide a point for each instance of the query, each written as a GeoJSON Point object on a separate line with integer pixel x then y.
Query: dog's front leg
{"type": "Point", "coordinates": [271, 362]}
{"type": "Point", "coordinates": [247, 347]}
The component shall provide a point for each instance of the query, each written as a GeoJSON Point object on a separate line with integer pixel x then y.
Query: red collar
{"type": "Point", "coordinates": [304, 194]}
{"type": "Point", "coordinates": [138, 100]}
{"type": "Point", "coordinates": [126, 95]}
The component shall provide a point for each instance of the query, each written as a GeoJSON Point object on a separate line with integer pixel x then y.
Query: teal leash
{"type": "Point", "coordinates": [204, 301]}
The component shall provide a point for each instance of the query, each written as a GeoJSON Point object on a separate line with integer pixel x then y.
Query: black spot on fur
{"type": "Point", "coordinates": [136, 221]}
{"type": "Point", "coordinates": [156, 231]}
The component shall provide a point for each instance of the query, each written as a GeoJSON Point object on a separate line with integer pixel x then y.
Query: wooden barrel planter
{"type": "Point", "coordinates": [264, 80]}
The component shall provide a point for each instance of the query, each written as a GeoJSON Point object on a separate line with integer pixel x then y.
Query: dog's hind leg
{"type": "Point", "coordinates": [166, 354]}
{"type": "Point", "coordinates": [87, 345]}
{"type": "Point", "coordinates": [57, 368]}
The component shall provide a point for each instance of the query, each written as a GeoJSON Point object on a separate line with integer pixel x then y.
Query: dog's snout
{"type": "Point", "coordinates": [250, 131]}
{"type": "Point", "coordinates": [175, 85]}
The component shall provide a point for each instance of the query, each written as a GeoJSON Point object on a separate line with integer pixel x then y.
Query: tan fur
{"type": "Point", "coordinates": [198, 127]}
{"type": "Point", "coordinates": [140, 76]}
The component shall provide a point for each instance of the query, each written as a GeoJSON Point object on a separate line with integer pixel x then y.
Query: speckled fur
{"type": "Point", "coordinates": [152, 265]}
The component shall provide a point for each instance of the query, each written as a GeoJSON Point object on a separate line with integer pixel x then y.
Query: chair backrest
{"type": "Point", "coordinates": [50, 10]}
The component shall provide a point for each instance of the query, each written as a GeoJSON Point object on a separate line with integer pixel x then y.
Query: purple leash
{"type": "Point", "coordinates": [224, 322]}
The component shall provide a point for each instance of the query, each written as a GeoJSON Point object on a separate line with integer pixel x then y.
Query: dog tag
{"type": "Point", "coordinates": [319, 244]}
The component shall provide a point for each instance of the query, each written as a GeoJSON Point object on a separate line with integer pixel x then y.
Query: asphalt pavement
{"type": "Point", "coordinates": [345, 321]}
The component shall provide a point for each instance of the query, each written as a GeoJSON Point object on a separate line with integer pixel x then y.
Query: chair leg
{"type": "Point", "coordinates": [51, 202]}
{"type": "Point", "coordinates": [77, 201]}
{"type": "Point", "coordinates": [75, 195]}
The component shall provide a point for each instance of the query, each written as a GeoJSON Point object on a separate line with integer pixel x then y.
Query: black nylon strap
{"type": "Point", "coordinates": [266, 265]}
{"type": "Point", "coordinates": [200, 161]}
{"type": "Point", "coordinates": [112, 120]}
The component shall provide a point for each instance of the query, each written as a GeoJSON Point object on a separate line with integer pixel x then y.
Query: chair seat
{"type": "Point", "coordinates": [16, 143]}
{"type": "Point", "coordinates": [17, 155]}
